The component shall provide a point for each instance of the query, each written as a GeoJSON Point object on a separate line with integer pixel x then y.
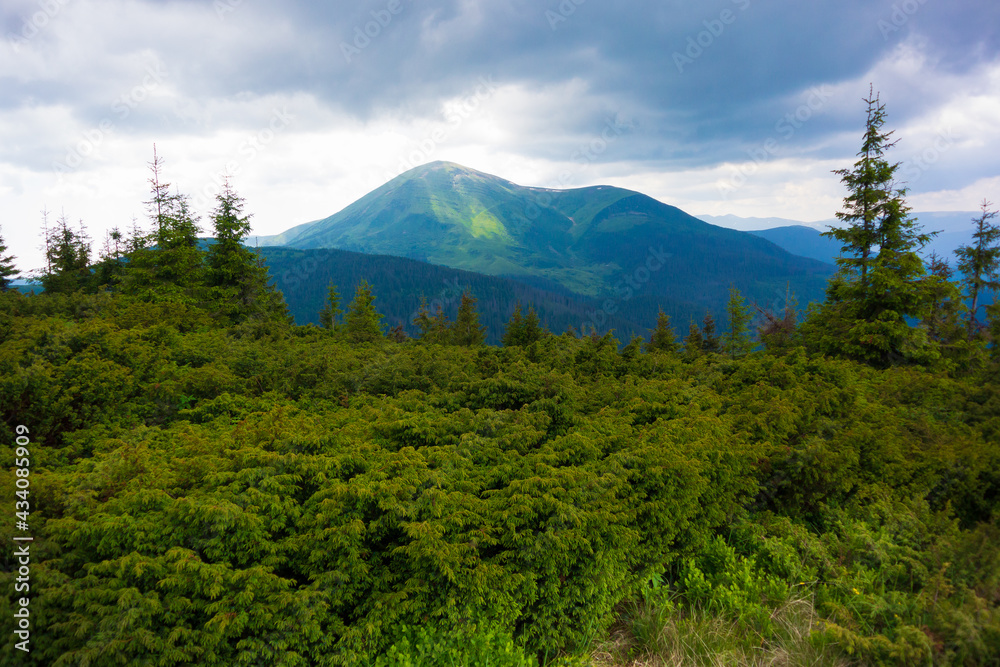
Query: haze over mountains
{"type": "Point", "coordinates": [803, 238]}
{"type": "Point", "coordinates": [629, 252]}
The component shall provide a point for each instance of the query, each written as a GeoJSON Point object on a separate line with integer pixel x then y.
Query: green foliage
{"type": "Point", "coordinates": [449, 647]}
{"type": "Point", "coordinates": [522, 330]}
{"type": "Point", "coordinates": [7, 268]}
{"type": "Point", "coordinates": [329, 316]}
{"type": "Point", "coordinates": [466, 330]}
{"type": "Point", "coordinates": [237, 281]}
{"type": "Point", "coordinates": [881, 280]}
{"type": "Point", "coordinates": [710, 342]}
{"type": "Point", "coordinates": [68, 255]}
{"type": "Point", "coordinates": [662, 338]}
{"type": "Point", "coordinates": [979, 263]}
{"type": "Point", "coordinates": [694, 342]}
{"type": "Point", "coordinates": [215, 493]}
{"type": "Point", "coordinates": [362, 323]}
{"type": "Point", "coordinates": [736, 341]}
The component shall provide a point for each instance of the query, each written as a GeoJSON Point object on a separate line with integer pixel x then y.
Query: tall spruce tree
{"type": "Point", "coordinates": [533, 330]}
{"type": "Point", "coordinates": [329, 315]}
{"type": "Point", "coordinates": [522, 330]}
{"type": "Point", "coordinates": [736, 341]}
{"type": "Point", "coordinates": [362, 323]}
{"type": "Point", "coordinates": [7, 269]}
{"type": "Point", "coordinates": [466, 330]}
{"type": "Point", "coordinates": [881, 279]}
{"type": "Point", "coordinates": [694, 342]}
{"type": "Point", "coordinates": [710, 342]}
{"type": "Point", "coordinates": [514, 331]}
{"type": "Point", "coordinates": [168, 264]}
{"type": "Point", "coordinates": [422, 320]}
{"type": "Point", "coordinates": [979, 264]}
{"type": "Point", "coordinates": [662, 338]}
{"type": "Point", "coordinates": [440, 331]}
{"type": "Point", "coordinates": [237, 280]}
{"type": "Point", "coordinates": [943, 315]}
{"type": "Point", "coordinates": [68, 258]}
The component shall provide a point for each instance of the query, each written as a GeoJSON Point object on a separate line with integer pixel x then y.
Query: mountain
{"type": "Point", "coordinates": [742, 224]}
{"type": "Point", "coordinates": [803, 241]}
{"type": "Point", "coordinates": [803, 238]}
{"type": "Point", "coordinates": [629, 251]}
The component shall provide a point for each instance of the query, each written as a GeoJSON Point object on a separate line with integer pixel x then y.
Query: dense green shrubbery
{"type": "Point", "coordinates": [265, 494]}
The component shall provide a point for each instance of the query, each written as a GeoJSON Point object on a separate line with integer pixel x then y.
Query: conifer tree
{"type": "Point", "coordinates": [662, 339]}
{"type": "Point", "coordinates": [237, 279]}
{"type": "Point", "coordinates": [422, 320]}
{"type": "Point", "coordinates": [172, 267]}
{"type": "Point", "coordinates": [980, 263]}
{"type": "Point", "coordinates": [466, 330]}
{"type": "Point", "coordinates": [533, 331]}
{"type": "Point", "coordinates": [633, 348]}
{"type": "Point", "coordinates": [440, 331]}
{"type": "Point", "coordinates": [514, 331]}
{"type": "Point", "coordinates": [230, 263]}
{"type": "Point", "coordinates": [7, 269]}
{"type": "Point", "coordinates": [68, 258]}
{"type": "Point", "coordinates": [109, 269]}
{"type": "Point", "coordinates": [736, 340]}
{"type": "Point", "coordinates": [710, 342]}
{"type": "Point", "coordinates": [693, 343]}
{"type": "Point", "coordinates": [881, 279]}
{"type": "Point", "coordinates": [161, 203]}
{"type": "Point", "coordinates": [942, 320]}
{"type": "Point", "coordinates": [362, 323]}
{"type": "Point", "coordinates": [329, 315]}
{"type": "Point", "coordinates": [522, 330]}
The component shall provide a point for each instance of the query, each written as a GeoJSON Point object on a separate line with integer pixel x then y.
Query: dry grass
{"type": "Point", "coordinates": [645, 638]}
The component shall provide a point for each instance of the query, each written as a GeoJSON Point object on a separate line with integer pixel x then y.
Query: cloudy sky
{"type": "Point", "coordinates": [720, 107]}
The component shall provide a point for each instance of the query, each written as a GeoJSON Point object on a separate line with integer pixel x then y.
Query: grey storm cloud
{"type": "Point", "coordinates": [699, 82]}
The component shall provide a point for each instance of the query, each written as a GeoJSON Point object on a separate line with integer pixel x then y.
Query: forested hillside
{"type": "Point", "coordinates": [303, 277]}
{"type": "Point", "coordinates": [198, 480]}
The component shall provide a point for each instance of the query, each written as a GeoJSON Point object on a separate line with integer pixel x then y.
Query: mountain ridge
{"type": "Point", "coordinates": [600, 242]}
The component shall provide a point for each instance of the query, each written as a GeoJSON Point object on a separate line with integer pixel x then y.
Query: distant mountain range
{"type": "Point", "coordinates": [803, 238]}
{"type": "Point", "coordinates": [618, 248]}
